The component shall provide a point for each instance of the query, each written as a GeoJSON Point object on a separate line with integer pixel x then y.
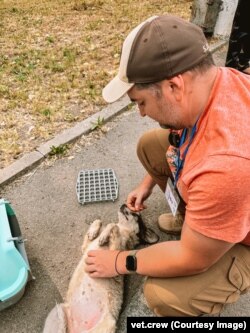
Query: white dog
{"type": "Point", "coordinates": [93, 305]}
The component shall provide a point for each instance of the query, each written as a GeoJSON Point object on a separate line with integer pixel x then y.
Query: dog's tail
{"type": "Point", "coordinates": [56, 321]}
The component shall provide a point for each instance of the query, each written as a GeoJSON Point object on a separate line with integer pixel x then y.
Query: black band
{"type": "Point", "coordinates": [116, 262]}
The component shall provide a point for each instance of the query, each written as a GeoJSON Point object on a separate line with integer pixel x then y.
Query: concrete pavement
{"type": "Point", "coordinates": [54, 223]}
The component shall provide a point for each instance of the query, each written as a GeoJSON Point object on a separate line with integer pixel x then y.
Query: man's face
{"type": "Point", "coordinates": [154, 104]}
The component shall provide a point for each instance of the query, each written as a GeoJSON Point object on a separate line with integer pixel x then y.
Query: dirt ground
{"type": "Point", "coordinates": [55, 58]}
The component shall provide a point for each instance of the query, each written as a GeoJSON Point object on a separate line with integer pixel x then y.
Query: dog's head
{"type": "Point", "coordinates": [139, 233]}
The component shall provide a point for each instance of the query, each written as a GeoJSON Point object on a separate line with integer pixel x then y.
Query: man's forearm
{"type": "Point", "coordinates": [148, 182]}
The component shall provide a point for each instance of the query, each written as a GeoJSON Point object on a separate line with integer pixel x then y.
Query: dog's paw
{"type": "Point", "coordinates": [94, 230]}
{"type": "Point", "coordinates": [106, 234]}
{"type": "Point", "coordinates": [115, 239]}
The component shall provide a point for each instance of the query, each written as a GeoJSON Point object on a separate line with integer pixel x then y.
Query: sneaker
{"type": "Point", "coordinates": [171, 224]}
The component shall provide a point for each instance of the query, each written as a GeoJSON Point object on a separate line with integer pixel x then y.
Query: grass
{"type": "Point", "coordinates": [59, 150]}
{"type": "Point", "coordinates": [97, 124]}
{"type": "Point", "coordinates": [55, 58]}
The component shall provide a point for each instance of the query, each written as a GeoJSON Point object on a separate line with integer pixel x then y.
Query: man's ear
{"type": "Point", "coordinates": [174, 87]}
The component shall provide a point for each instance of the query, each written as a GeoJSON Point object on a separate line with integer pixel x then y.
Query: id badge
{"type": "Point", "coordinates": [172, 197]}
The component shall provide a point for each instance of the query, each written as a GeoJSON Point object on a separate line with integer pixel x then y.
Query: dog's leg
{"type": "Point", "coordinates": [92, 233]}
{"type": "Point", "coordinates": [115, 239]}
{"type": "Point", "coordinates": [106, 233]}
{"type": "Point", "coordinates": [111, 236]}
{"type": "Point", "coordinates": [56, 320]}
{"type": "Point", "coordinates": [94, 229]}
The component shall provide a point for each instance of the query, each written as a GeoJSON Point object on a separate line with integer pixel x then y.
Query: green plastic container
{"type": "Point", "coordinates": [14, 266]}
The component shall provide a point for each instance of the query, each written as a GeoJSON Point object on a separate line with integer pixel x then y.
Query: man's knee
{"type": "Point", "coordinates": [145, 141]}
{"type": "Point", "coordinates": [151, 151]}
{"type": "Point", "coordinates": [171, 306]}
{"type": "Point", "coordinates": [155, 140]}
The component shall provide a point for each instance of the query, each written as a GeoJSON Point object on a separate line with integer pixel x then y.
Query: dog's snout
{"type": "Point", "coordinates": [124, 209]}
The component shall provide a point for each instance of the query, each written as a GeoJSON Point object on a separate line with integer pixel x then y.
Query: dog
{"type": "Point", "coordinates": [93, 304]}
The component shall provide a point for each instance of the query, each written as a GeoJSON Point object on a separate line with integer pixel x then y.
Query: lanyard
{"type": "Point", "coordinates": [180, 162]}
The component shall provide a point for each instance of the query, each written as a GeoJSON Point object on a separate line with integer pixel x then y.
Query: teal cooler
{"type": "Point", "coordinates": [14, 266]}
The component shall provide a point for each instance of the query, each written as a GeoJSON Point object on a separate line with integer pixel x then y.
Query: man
{"type": "Point", "coordinates": [167, 69]}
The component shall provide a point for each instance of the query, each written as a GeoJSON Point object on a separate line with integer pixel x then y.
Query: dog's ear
{"type": "Point", "coordinates": [146, 235]}
{"type": "Point", "coordinates": [151, 237]}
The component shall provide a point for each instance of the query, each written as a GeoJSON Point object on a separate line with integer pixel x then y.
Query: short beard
{"type": "Point", "coordinates": [168, 108]}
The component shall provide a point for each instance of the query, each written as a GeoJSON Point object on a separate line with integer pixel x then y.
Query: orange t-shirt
{"type": "Point", "coordinates": [215, 180]}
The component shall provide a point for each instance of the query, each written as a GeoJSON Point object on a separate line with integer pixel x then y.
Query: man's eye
{"type": "Point", "coordinates": [140, 103]}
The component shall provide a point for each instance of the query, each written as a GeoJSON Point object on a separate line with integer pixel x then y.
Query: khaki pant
{"type": "Point", "coordinates": [204, 293]}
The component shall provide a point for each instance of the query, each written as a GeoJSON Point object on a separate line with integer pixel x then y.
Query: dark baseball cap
{"type": "Point", "coordinates": [159, 48]}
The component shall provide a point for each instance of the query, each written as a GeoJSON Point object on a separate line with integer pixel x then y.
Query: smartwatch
{"type": "Point", "coordinates": [131, 262]}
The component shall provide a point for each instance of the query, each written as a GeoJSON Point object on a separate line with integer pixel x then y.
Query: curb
{"type": "Point", "coordinates": [30, 160]}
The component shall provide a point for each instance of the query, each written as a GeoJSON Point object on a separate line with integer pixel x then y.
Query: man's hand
{"type": "Point", "coordinates": [101, 263]}
{"type": "Point", "coordinates": [136, 198]}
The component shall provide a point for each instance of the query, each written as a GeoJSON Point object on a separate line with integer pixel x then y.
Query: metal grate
{"type": "Point", "coordinates": [96, 185]}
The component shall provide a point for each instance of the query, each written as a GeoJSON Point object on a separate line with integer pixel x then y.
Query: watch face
{"type": "Point", "coordinates": [131, 263]}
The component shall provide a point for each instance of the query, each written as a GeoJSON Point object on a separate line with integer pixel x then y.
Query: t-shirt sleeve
{"type": "Point", "coordinates": [219, 198]}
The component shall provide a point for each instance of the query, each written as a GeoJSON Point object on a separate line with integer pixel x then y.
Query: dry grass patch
{"type": "Point", "coordinates": [55, 58]}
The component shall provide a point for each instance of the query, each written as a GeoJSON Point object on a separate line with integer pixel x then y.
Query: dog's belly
{"type": "Point", "coordinates": [84, 315]}
{"type": "Point", "coordinates": [88, 305]}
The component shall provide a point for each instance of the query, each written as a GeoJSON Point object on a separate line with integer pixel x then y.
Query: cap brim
{"type": "Point", "coordinates": [115, 89]}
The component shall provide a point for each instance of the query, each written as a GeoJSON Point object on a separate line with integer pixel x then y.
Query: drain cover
{"type": "Point", "coordinates": [96, 185]}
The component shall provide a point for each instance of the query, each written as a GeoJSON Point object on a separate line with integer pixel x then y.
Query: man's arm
{"type": "Point", "coordinates": [192, 254]}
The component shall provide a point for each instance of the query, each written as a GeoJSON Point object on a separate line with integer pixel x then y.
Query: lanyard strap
{"type": "Point", "coordinates": [180, 162]}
